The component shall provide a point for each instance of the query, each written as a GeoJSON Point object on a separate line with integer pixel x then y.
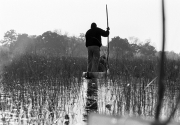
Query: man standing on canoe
{"type": "Point", "coordinates": [93, 44]}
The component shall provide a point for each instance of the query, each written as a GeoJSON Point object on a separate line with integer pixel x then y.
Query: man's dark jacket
{"type": "Point", "coordinates": [93, 36]}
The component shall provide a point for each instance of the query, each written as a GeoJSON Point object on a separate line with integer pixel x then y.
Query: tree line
{"type": "Point", "coordinates": [53, 43]}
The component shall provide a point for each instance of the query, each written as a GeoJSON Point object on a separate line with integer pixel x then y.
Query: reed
{"type": "Point", "coordinates": [42, 90]}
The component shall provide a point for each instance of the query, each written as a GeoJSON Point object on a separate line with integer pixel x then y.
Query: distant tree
{"type": "Point", "coordinates": [58, 31]}
{"type": "Point", "coordinates": [9, 37]}
{"type": "Point", "coordinates": [82, 37]}
{"type": "Point", "coordinates": [82, 47]}
{"type": "Point", "coordinates": [52, 43]}
{"type": "Point", "coordinates": [23, 44]}
{"type": "Point", "coordinates": [135, 48]}
{"type": "Point", "coordinates": [134, 40]}
{"type": "Point", "coordinates": [172, 55]}
{"type": "Point", "coordinates": [4, 55]}
{"type": "Point", "coordinates": [146, 49]}
{"type": "Point", "coordinates": [76, 46]}
{"type": "Point", "coordinates": [120, 47]}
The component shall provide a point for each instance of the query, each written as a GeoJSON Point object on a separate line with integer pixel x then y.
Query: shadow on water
{"type": "Point", "coordinates": [92, 97]}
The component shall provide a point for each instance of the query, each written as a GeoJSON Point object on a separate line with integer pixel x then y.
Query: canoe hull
{"type": "Point", "coordinates": [97, 75]}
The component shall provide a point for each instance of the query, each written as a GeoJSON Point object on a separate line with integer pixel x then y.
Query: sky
{"type": "Point", "coordinates": [141, 19]}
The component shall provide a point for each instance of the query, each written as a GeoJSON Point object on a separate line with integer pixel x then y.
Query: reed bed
{"type": "Point", "coordinates": [42, 104]}
{"type": "Point", "coordinates": [43, 90]}
{"type": "Point", "coordinates": [135, 98]}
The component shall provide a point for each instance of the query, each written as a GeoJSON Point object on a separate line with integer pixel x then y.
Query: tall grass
{"type": "Point", "coordinates": [134, 98]}
{"type": "Point", "coordinates": [42, 90]}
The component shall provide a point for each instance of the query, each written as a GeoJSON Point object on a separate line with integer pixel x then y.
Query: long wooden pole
{"type": "Point", "coordinates": [107, 38]}
{"type": "Point", "coordinates": [161, 70]}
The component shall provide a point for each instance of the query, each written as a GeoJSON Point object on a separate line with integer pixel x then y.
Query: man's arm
{"type": "Point", "coordinates": [104, 33]}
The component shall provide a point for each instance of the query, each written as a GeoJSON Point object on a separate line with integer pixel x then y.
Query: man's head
{"type": "Point", "coordinates": [93, 25]}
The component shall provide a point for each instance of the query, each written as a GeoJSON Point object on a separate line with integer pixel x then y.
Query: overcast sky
{"type": "Point", "coordinates": [127, 18]}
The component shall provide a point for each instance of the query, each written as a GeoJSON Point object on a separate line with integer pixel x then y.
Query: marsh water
{"type": "Point", "coordinates": [69, 101]}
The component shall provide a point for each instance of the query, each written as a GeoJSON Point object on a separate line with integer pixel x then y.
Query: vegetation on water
{"type": "Point", "coordinates": [44, 89]}
{"type": "Point", "coordinates": [34, 67]}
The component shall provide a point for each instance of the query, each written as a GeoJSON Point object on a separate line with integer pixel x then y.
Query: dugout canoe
{"type": "Point", "coordinates": [97, 75]}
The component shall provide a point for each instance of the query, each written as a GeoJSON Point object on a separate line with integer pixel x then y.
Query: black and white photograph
{"type": "Point", "coordinates": [89, 62]}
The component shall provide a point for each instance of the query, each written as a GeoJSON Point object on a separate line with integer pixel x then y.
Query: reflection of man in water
{"type": "Point", "coordinates": [93, 44]}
